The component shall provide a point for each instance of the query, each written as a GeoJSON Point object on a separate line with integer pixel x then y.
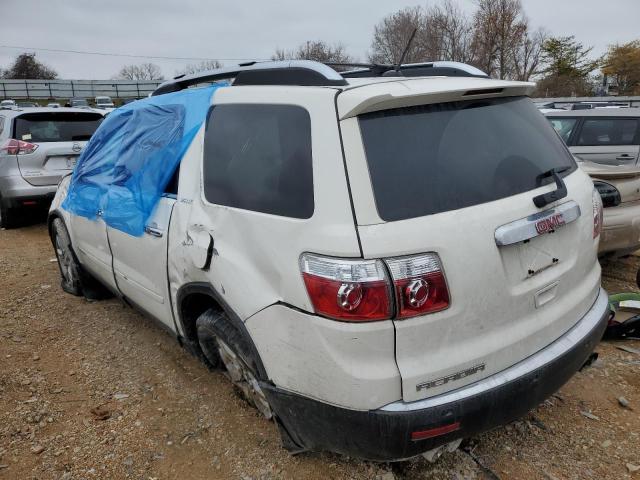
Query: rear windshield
{"type": "Point", "coordinates": [435, 158]}
{"type": "Point", "coordinates": [56, 127]}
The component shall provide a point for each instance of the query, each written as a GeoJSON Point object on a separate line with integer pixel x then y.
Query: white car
{"type": "Point", "coordinates": [383, 264]}
{"type": "Point", "coordinates": [104, 103]}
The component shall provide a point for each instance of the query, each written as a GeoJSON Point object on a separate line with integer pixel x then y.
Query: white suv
{"type": "Point", "coordinates": [383, 264]}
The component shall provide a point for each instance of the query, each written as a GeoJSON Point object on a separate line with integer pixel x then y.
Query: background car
{"type": "Point", "coordinates": [610, 136]}
{"type": "Point", "coordinates": [606, 144]}
{"type": "Point", "coordinates": [37, 148]}
{"type": "Point", "coordinates": [6, 104]}
{"type": "Point", "coordinates": [53, 105]}
{"type": "Point", "coordinates": [78, 102]}
{"type": "Point", "coordinates": [104, 102]}
{"type": "Point", "coordinates": [27, 105]}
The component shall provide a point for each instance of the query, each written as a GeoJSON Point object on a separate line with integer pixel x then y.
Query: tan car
{"type": "Point", "coordinates": [606, 142]}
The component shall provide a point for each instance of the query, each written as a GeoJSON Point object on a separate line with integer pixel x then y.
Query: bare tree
{"type": "Point", "coordinates": [144, 71]}
{"type": "Point", "coordinates": [391, 35]}
{"type": "Point", "coordinates": [449, 32]}
{"type": "Point", "coordinates": [200, 67]}
{"type": "Point", "coordinates": [315, 50]}
{"type": "Point", "coordinates": [499, 28]}
{"type": "Point", "coordinates": [527, 56]}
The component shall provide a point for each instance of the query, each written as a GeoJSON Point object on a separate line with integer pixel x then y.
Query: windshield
{"type": "Point", "coordinates": [56, 127]}
{"type": "Point", "coordinates": [429, 159]}
{"type": "Point", "coordinates": [76, 103]}
{"type": "Point", "coordinates": [103, 100]}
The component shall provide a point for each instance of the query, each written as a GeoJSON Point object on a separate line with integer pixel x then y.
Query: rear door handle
{"type": "Point", "coordinates": [154, 232]}
{"type": "Point", "coordinates": [624, 156]}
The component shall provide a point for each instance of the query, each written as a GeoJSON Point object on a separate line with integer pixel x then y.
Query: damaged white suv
{"type": "Point", "coordinates": [385, 260]}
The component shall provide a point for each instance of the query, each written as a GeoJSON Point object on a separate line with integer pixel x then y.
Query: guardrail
{"type": "Point", "coordinates": [44, 89]}
{"type": "Point", "coordinates": [632, 101]}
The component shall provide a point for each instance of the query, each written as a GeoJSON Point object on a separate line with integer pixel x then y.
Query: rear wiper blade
{"type": "Point", "coordinates": [560, 192]}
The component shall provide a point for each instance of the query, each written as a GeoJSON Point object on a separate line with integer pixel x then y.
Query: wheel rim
{"type": "Point", "coordinates": [243, 378]}
{"type": "Point", "coordinates": [65, 260]}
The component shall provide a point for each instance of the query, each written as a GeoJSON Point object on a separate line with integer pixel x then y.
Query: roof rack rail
{"type": "Point", "coordinates": [425, 69]}
{"type": "Point", "coordinates": [290, 72]}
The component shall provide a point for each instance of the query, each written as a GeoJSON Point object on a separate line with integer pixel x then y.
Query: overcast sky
{"type": "Point", "coordinates": [232, 30]}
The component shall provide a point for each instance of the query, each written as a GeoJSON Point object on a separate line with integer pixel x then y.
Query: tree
{"type": "Point", "coordinates": [566, 68]}
{"type": "Point", "coordinates": [527, 55]}
{"type": "Point", "coordinates": [622, 62]}
{"type": "Point", "coordinates": [144, 71]}
{"type": "Point", "coordinates": [200, 67]}
{"type": "Point", "coordinates": [315, 50]}
{"type": "Point", "coordinates": [26, 66]}
{"type": "Point", "coordinates": [449, 34]}
{"type": "Point", "coordinates": [500, 28]}
{"type": "Point", "coordinates": [391, 35]}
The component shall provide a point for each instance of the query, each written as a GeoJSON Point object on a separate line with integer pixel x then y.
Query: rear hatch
{"type": "Point", "coordinates": [59, 137]}
{"type": "Point", "coordinates": [458, 179]}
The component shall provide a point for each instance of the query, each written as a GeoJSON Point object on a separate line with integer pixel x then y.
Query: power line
{"type": "Point", "coordinates": [107, 54]}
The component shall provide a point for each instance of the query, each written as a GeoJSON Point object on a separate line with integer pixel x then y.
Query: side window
{"type": "Point", "coordinates": [172, 186]}
{"type": "Point", "coordinates": [608, 131]}
{"type": "Point", "coordinates": [1, 125]}
{"type": "Point", "coordinates": [258, 157]}
{"type": "Point", "coordinates": [564, 127]}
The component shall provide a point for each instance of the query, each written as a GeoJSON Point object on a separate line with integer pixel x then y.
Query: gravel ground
{"type": "Point", "coordinates": [93, 390]}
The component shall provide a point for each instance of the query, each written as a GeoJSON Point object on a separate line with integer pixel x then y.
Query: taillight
{"type": "Point", "coordinates": [419, 284]}
{"type": "Point", "coordinates": [18, 147]}
{"type": "Point", "coordinates": [350, 290]}
{"type": "Point", "coordinates": [597, 213]}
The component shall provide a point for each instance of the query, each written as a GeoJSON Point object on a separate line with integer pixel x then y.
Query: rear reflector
{"type": "Point", "coordinates": [419, 284]}
{"type": "Point", "coordinates": [29, 202]}
{"type": "Point", "coordinates": [349, 290]}
{"type": "Point", "coordinates": [435, 432]}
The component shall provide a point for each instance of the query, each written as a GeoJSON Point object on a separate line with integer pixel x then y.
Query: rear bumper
{"type": "Point", "coordinates": [385, 434]}
{"type": "Point", "coordinates": [621, 229]}
{"type": "Point", "coordinates": [16, 191]}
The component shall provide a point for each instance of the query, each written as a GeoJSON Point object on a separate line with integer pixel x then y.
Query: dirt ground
{"type": "Point", "coordinates": [93, 390]}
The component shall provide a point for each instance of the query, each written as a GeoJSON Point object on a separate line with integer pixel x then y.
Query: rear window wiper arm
{"type": "Point", "coordinates": [560, 192]}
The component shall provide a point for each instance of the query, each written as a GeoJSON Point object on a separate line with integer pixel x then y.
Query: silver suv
{"type": "Point", "coordinates": [37, 148]}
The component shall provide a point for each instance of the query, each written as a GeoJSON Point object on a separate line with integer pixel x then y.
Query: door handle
{"type": "Point", "coordinates": [154, 232]}
{"type": "Point", "coordinates": [624, 156]}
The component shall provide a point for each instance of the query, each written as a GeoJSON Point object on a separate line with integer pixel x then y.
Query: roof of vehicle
{"type": "Point", "coordinates": [16, 112]}
{"type": "Point", "coordinates": [596, 112]}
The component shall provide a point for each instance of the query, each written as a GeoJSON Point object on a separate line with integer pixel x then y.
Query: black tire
{"type": "Point", "coordinates": [638, 278]}
{"type": "Point", "coordinates": [8, 217]}
{"type": "Point", "coordinates": [70, 270]}
{"type": "Point", "coordinates": [215, 332]}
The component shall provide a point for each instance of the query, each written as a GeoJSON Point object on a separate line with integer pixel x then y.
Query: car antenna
{"type": "Point", "coordinates": [406, 50]}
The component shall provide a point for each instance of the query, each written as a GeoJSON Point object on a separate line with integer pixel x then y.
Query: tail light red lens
{"type": "Point", "coordinates": [18, 147]}
{"type": "Point", "coordinates": [350, 290]}
{"type": "Point", "coordinates": [419, 283]}
{"type": "Point", "coordinates": [597, 213]}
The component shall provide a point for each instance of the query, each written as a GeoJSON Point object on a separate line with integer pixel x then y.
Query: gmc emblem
{"type": "Point", "coordinates": [550, 223]}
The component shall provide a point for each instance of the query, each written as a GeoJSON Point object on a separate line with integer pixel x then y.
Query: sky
{"type": "Point", "coordinates": [235, 31]}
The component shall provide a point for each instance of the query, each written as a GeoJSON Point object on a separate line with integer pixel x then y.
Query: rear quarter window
{"type": "Point", "coordinates": [435, 158]}
{"type": "Point", "coordinates": [56, 127]}
{"type": "Point", "coordinates": [258, 157]}
{"type": "Point", "coordinates": [609, 131]}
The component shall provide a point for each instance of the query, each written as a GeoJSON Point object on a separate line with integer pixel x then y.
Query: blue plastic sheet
{"type": "Point", "coordinates": [132, 156]}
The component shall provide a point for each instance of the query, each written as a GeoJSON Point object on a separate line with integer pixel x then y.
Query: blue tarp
{"type": "Point", "coordinates": [132, 156]}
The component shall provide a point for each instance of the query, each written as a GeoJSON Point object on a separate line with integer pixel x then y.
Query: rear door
{"type": "Point", "coordinates": [458, 180]}
{"type": "Point", "coordinates": [59, 136]}
{"type": "Point", "coordinates": [608, 140]}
